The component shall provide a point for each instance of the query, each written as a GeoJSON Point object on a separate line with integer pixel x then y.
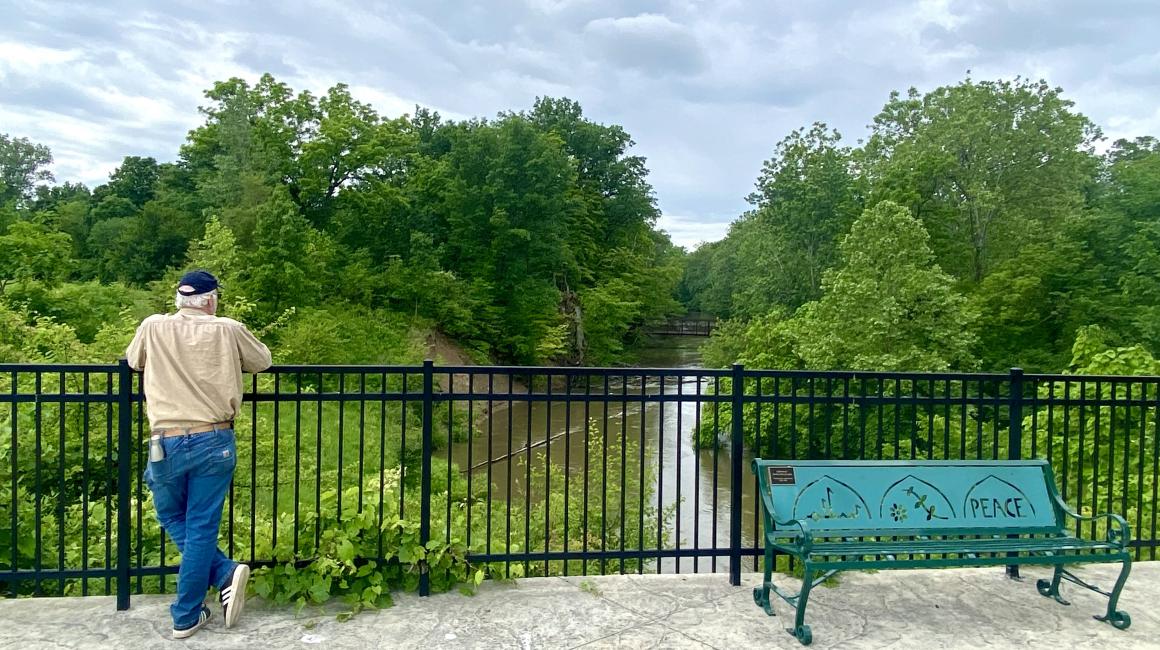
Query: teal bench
{"type": "Point", "coordinates": [833, 516]}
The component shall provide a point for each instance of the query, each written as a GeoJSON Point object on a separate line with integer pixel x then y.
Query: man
{"type": "Point", "coordinates": [193, 363]}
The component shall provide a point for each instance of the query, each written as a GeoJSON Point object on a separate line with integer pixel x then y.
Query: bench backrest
{"type": "Point", "coordinates": [853, 498]}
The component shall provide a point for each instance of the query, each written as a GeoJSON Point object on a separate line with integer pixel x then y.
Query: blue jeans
{"type": "Point", "coordinates": [189, 488]}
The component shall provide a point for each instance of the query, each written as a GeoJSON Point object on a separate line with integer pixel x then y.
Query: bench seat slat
{"type": "Point", "coordinates": [958, 546]}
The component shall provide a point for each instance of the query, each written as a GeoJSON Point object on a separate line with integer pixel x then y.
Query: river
{"type": "Point", "coordinates": [692, 486]}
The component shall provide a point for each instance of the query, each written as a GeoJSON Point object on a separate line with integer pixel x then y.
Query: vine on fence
{"type": "Point", "coordinates": [357, 559]}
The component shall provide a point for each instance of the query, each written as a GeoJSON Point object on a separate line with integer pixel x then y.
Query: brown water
{"type": "Point", "coordinates": [691, 486]}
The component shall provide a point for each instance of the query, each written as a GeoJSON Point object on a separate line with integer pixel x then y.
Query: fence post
{"type": "Point", "coordinates": [1015, 434]}
{"type": "Point", "coordinates": [737, 450]}
{"type": "Point", "coordinates": [124, 478]}
{"type": "Point", "coordinates": [425, 476]}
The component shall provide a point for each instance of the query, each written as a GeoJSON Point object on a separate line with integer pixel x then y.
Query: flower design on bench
{"type": "Point", "coordinates": [919, 499]}
{"type": "Point", "coordinates": [920, 504]}
{"type": "Point", "coordinates": [898, 512]}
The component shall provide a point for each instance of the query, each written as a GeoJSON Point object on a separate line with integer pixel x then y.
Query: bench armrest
{"type": "Point", "coordinates": [1120, 534]}
{"type": "Point", "coordinates": [804, 536]}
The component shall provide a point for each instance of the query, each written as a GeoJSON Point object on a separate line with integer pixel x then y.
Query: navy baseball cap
{"type": "Point", "coordinates": [196, 282]}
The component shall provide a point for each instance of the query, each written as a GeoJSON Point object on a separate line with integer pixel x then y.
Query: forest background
{"type": "Point", "coordinates": [977, 226]}
{"type": "Point", "coordinates": [344, 236]}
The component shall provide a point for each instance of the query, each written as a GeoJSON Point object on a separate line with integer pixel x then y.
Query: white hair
{"type": "Point", "coordinates": [197, 301]}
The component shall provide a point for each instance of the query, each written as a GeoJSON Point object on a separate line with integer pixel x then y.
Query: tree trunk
{"type": "Point", "coordinates": [574, 315]}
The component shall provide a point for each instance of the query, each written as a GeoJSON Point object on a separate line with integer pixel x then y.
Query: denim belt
{"type": "Point", "coordinates": [171, 432]}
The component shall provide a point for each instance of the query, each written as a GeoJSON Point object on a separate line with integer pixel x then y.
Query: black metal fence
{"type": "Point", "coordinates": [536, 471]}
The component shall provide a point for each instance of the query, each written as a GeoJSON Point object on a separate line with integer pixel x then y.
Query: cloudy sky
{"type": "Point", "coordinates": [706, 87]}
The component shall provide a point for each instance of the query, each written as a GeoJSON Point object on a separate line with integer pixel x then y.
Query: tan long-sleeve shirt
{"type": "Point", "coordinates": [193, 365]}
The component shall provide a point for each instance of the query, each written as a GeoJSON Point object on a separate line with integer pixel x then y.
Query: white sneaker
{"type": "Point", "coordinates": [189, 631]}
{"type": "Point", "coordinates": [233, 595]}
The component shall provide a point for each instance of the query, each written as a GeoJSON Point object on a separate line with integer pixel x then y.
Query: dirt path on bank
{"type": "Point", "coordinates": [446, 352]}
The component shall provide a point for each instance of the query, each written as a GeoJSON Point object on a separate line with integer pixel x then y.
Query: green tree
{"type": "Point", "coordinates": [805, 200]}
{"type": "Point", "coordinates": [618, 200]}
{"type": "Point", "coordinates": [217, 250]}
{"type": "Point", "coordinates": [8, 215]}
{"type": "Point", "coordinates": [23, 164]}
{"type": "Point", "coordinates": [30, 252]}
{"type": "Point", "coordinates": [377, 161]}
{"type": "Point", "coordinates": [986, 166]}
{"type": "Point", "coordinates": [349, 145]}
{"type": "Point", "coordinates": [112, 207]}
{"type": "Point", "coordinates": [138, 249]}
{"type": "Point", "coordinates": [88, 307]}
{"type": "Point", "coordinates": [158, 240]}
{"type": "Point", "coordinates": [1031, 306]}
{"type": "Point", "coordinates": [1051, 428]}
{"type": "Point", "coordinates": [507, 206]}
{"type": "Point", "coordinates": [711, 275]}
{"type": "Point", "coordinates": [50, 197]}
{"type": "Point", "coordinates": [887, 305]}
{"type": "Point", "coordinates": [280, 273]}
{"type": "Point", "coordinates": [65, 208]}
{"type": "Point", "coordinates": [135, 180]}
{"type": "Point", "coordinates": [107, 243]}
{"type": "Point", "coordinates": [251, 139]}
{"type": "Point", "coordinates": [1121, 233]}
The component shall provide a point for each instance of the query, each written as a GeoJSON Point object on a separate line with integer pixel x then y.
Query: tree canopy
{"type": "Point", "coordinates": [530, 236]}
{"type": "Point", "coordinates": [1027, 233]}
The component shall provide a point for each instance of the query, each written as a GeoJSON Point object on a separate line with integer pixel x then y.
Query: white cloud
{"type": "Point", "coordinates": [643, 25]}
{"type": "Point", "coordinates": [691, 232]}
{"type": "Point", "coordinates": [650, 43]}
{"type": "Point", "coordinates": [1130, 126]}
{"type": "Point", "coordinates": [706, 87]}
{"type": "Point", "coordinates": [32, 58]}
{"type": "Point", "coordinates": [554, 6]}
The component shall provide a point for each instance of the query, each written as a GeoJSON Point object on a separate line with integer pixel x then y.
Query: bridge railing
{"type": "Point", "coordinates": [685, 327]}
{"type": "Point", "coordinates": [538, 471]}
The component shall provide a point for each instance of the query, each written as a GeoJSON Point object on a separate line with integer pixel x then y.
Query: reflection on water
{"type": "Point", "coordinates": [692, 486]}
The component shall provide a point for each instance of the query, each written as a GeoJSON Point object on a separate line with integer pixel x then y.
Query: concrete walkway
{"type": "Point", "coordinates": [959, 608]}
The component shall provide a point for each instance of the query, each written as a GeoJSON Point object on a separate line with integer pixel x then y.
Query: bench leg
{"type": "Point", "coordinates": [1050, 588]}
{"type": "Point", "coordinates": [761, 594]}
{"type": "Point", "coordinates": [1119, 620]}
{"type": "Point", "coordinates": [800, 630]}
